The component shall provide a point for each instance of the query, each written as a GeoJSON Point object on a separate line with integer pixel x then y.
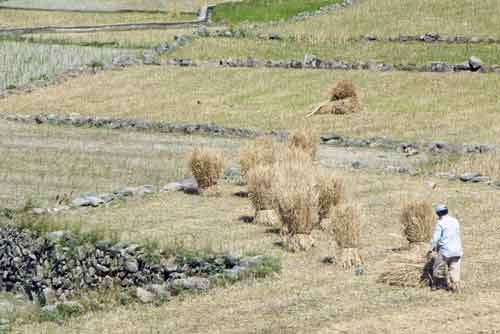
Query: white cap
{"type": "Point", "coordinates": [441, 208]}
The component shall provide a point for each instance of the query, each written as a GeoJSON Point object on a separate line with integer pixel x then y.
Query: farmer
{"type": "Point", "coordinates": [448, 245]}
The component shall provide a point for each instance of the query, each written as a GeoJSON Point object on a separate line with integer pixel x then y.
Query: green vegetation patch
{"type": "Point", "coordinates": [265, 10]}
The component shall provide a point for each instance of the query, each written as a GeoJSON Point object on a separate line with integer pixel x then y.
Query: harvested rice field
{"type": "Point", "coordinates": [450, 107]}
{"type": "Point", "coordinates": [138, 196]}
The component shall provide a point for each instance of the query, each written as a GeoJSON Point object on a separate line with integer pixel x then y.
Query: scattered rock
{"type": "Point", "coordinates": [171, 187]}
{"type": "Point", "coordinates": [251, 261]}
{"type": "Point", "coordinates": [132, 266]}
{"type": "Point", "coordinates": [235, 273]}
{"type": "Point", "coordinates": [467, 177]}
{"type": "Point", "coordinates": [475, 63]}
{"type": "Point", "coordinates": [330, 260]}
{"type": "Point", "coordinates": [192, 283]}
{"type": "Point", "coordinates": [144, 295]}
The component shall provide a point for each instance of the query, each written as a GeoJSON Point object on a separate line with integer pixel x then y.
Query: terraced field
{"type": "Point", "coordinates": [131, 75]}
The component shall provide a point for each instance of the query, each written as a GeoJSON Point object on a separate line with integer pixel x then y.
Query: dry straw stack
{"type": "Point", "coordinates": [207, 166]}
{"type": "Point", "coordinates": [296, 198]}
{"type": "Point", "coordinates": [259, 152]}
{"type": "Point", "coordinates": [347, 233]}
{"type": "Point", "coordinates": [410, 267]}
{"type": "Point", "coordinates": [331, 194]}
{"type": "Point", "coordinates": [306, 140]}
{"type": "Point", "coordinates": [260, 180]}
{"type": "Point", "coordinates": [343, 99]}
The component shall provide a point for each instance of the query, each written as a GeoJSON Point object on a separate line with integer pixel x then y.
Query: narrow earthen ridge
{"type": "Point", "coordinates": [431, 37]}
{"type": "Point", "coordinates": [202, 18]}
{"type": "Point", "coordinates": [433, 147]}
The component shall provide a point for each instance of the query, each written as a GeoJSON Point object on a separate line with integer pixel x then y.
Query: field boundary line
{"type": "Point", "coordinates": [202, 18]}
{"type": "Point", "coordinates": [211, 129]}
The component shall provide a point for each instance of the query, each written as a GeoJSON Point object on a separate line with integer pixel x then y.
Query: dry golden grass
{"type": "Point", "coordinates": [300, 299]}
{"type": "Point", "coordinates": [207, 166]}
{"type": "Point", "coordinates": [260, 182]}
{"type": "Point", "coordinates": [409, 269]}
{"type": "Point", "coordinates": [417, 220]}
{"type": "Point", "coordinates": [392, 17]}
{"type": "Point", "coordinates": [42, 162]}
{"type": "Point", "coordinates": [331, 191]}
{"type": "Point", "coordinates": [259, 152]}
{"type": "Point", "coordinates": [342, 90]}
{"type": "Point", "coordinates": [295, 192]}
{"type": "Point", "coordinates": [305, 139]}
{"type": "Point", "coordinates": [32, 18]}
{"type": "Point", "coordinates": [488, 164]}
{"type": "Point", "coordinates": [346, 226]}
{"type": "Point", "coordinates": [459, 107]}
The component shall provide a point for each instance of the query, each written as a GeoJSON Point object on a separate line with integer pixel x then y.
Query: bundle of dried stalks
{"type": "Point", "coordinates": [296, 195]}
{"type": "Point", "coordinates": [304, 139]}
{"type": "Point", "coordinates": [258, 152]}
{"type": "Point", "coordinates": [260, 181]}
{"type": "Point", "coordinates": [207, 166]}
{"type": "Point", "coordinates": [331, 191]}
{"type": "Point", "coordinates": [343, 99]}
{"type": "Point", "coordinates": [346, 228]}
{"type": "Point", "coordinates": [343, 89]}
{"type": "Point", "coordinates": [407, 269]}
{"type": "Point", "coordinates": [417, 220]}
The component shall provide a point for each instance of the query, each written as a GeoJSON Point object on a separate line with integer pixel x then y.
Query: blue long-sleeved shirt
{"type": "Point", "coordinates": [446, 238]}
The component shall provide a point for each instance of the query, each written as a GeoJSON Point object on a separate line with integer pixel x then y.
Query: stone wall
{"type": "Point", "coordinates": [53, 266]}
{"type": "Point", "coordinates": [312, 62]}
{"type": "Point", "coordinates": [434, 147]}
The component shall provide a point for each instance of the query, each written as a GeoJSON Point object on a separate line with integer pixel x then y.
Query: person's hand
{"type": "Point", "coordinates": [430, 255]}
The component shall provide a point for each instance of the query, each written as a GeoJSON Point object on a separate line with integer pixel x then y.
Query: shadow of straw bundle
{"type": "Point", "coordinates": [259, 152]}
{"type": "Point", "coordinates": [417, 219]}
{"type": "Point", "coordinates": [304, 139]}
{"type": "Point", "coordinates": [207, 166]}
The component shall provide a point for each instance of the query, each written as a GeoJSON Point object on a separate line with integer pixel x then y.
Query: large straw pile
{"type": "Point", "coordinates": [207, 166]}
{"type": "Point", "coordinates": [343, 100]}
{"type": "Point", "coordinates": [411, 267]}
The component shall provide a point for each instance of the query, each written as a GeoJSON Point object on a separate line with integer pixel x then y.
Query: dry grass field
{"type": "Point", "coordinates": [388, 52]}
{"type": "Point", "coordinates": [307, 296]}
{"type": "Point", "coordinates": [393, 17]}
{"type": "Point", "coordinates": [40, 162]}
{"type": "Point", "coordinates": [32, 18]}
{"type": "Point", "coordinates": [123, 39]}
{"type": "Point", "coordinates": [423, 106]}
{"type": "Point", "coordinates": [111, 5]}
